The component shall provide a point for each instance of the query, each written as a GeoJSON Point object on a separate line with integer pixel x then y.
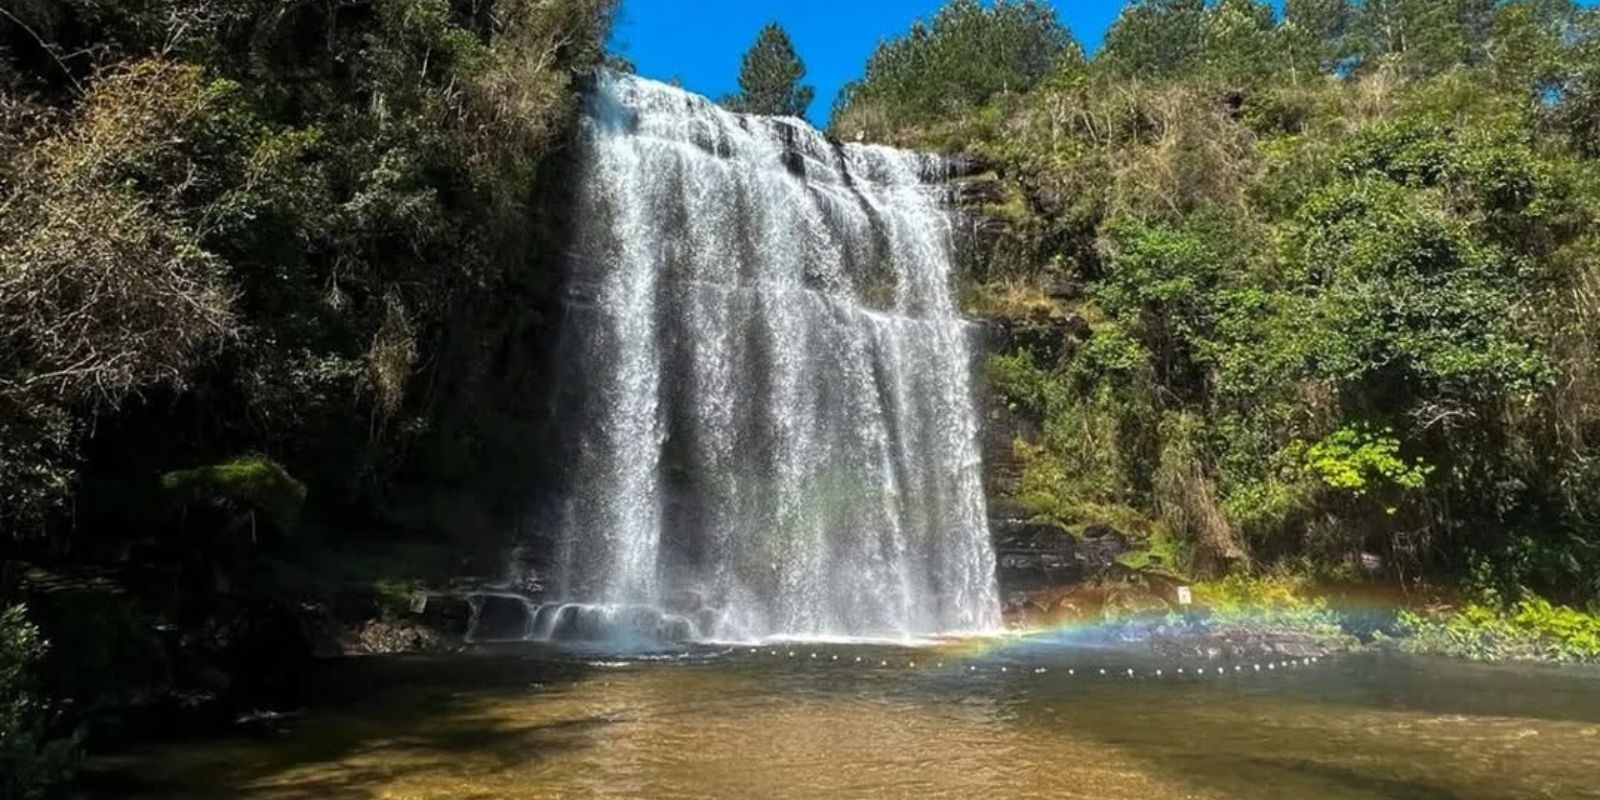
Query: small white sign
{"type": "Point", "coordinates": [419, 602]}
{"type": "Point", "coordinates": [1185, 596]}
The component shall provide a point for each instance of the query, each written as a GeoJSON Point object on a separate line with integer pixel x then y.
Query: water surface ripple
{"type": "Point", "coordinates": [1021, 722]}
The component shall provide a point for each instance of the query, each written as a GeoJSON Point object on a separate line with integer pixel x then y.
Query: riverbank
{"type": "Point", "coordinates": [1263, 614]}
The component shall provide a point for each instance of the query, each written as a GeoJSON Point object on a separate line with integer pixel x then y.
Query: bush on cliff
{"type": "Point", "coordinates": [1337, 272]}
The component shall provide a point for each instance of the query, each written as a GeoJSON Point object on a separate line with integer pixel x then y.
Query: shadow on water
{"type": "Point", "coordinates": [1366, 784]}
{"type": "Point", "coordinates": [368, 722]}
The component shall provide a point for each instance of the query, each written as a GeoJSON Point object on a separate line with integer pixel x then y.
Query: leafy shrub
{"type": "Point", "coordinates": [29, 766]}
{"type": "Point", "coordinates": [1274, 600]}
{"type": "Point", "coordinates": [1352, 458]}
{"type": "Point", "coordinates": [105, 289]}
{"type": "Point", "coordinates": [251, 483]}
{"type": "Point", "coordinates": [350, 187]}
{"type": "Point", "coordinates": [1531, 628]}
{"type": "Point", "coordinates": [1160, 555]}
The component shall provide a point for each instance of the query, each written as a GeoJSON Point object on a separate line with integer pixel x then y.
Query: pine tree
{"type": "Point", "coordinates": [1155, 38]}
{"type": "Point", "coordinates": [1239, 41]}
{"type": "Point", "coordinates": [769, 80]}
{"type": "Point", "coordinates": [962, 58]}
{"type": "Point", "coordinates": [1425, 37]}
{"type": "Point", "coordinates": [1322, 27]}
{"type": "Point", "coordinates": [1526, 52]}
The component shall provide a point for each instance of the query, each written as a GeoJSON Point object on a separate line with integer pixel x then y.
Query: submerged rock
{"type": "Point", "coordinates": [1244, 642]}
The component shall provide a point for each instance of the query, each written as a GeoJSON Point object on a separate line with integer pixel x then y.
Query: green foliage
{"type": "Point", "coordinates": [105, 286]}
{"type": "Point", "coordinates": [1240, 41]}
{"type": "Point", "coordinates": [1284, 230]}
{"type": "Point", "coordinates": [1155, 39]}
{"type": "Point", "coordinates": [769, 79]}
{"type": "Point", "coordinates": [251, 483]}
{"type": "Point", "coordinates": [1530, 629]}
{"type": "Point", "coordinates": [1077, 472]}
{"type": "Point", "coordinates": [1160, 555]}
{"type": "Point", "coordinates": [1351, 459]}
{"type": "Point", "coordinates": [965, 56]}
{"type": "Point", "coordinates": [1565, 563]}
{"type": "Point", "coordinates": [296, 213]}
{"type": "Point", "coordinates": [1162, 284]}
{"type": "Point", "coordinates": [1277, 601]}
{"type": "Point", "coordinates": [29, 766]}
{"type": "Point", "coordinates": [1407, 288]}
{"type": "Point", "coordinates": [1314, 33]}
{"type": "Point", "coordinates": [1423, 36]}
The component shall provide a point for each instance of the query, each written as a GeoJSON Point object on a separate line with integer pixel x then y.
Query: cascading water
{"type": "Point", "coordinates": [766, 397]}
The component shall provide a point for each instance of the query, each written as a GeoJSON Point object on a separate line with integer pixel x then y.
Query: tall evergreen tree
{"type": "Point", "coordinates": [966, 55]}
{"type": "Point", "coordinates": [1239, 41]}
{"type": "Point", "coordinates": [1527, 51]}
{"type": "Point", "coordinates": [769, 80]}
{"type": "Point", "coordinates": [1425, 37]}
{"type": "Point", "coordinates": [1318, 30]}
{"type": "Point", "coordinates": [1155, 38]}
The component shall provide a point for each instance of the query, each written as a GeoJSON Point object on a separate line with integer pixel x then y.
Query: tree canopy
{"type": "Point", "coordinates": [966, 55]}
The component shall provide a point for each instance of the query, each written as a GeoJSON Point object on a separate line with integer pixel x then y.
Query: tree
{"type": "Point", "coordinates": [1155, 38]}
{"type": "Point", "coordinates": [1239, 41]}
{"type": "Point", "coordinates": [1526, 53]}
{"type": "Point", "coordinates": [229, 260]}
{"type": "Point", "coordinates": [965, 56]}
{"type": "Point", "coordinates": [1317, 29]}
{"type": "Point", "coordinates": [769, 80]}
{"type": "Point", "coordinates": [1425, 37]}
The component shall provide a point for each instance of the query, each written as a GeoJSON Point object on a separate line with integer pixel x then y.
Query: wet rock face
{"type": "Point", "coordinates": [501, 618]}
{"type": "Point", "coordinates": [1035, 555]}
{"type": "Point", "coordinates": [967, 165]}
{"type": "Point", "coordinates": [1030, 555]}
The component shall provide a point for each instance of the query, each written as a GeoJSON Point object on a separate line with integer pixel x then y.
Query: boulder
{"type": "Point", "coordinates": [965, 165]}
{"type": "Point", "coordinates": [1033, 555]}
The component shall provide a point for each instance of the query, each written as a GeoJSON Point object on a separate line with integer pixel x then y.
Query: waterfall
{"type": "Point", "coordinates": [765, 398]}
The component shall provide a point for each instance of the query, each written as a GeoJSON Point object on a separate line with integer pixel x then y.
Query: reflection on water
{"type": "Point", "coordinates": [731, 723]}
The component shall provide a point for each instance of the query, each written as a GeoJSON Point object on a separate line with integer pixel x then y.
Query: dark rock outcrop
{"type": "Point", "coordinates": [1034, 555]}
{"type": "Point", "coordinates": [501, 617]}
{"type": "Point", "coordinates": [966, 165]}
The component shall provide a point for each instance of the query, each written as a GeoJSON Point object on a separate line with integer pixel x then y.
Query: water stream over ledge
{"type": "Point", "coordinates": [766, 405]}
{"type": "Point", "coordinates": [1027, 720]}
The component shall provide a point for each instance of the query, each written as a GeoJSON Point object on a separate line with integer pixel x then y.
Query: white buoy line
{"type": "Point", "coordinates": [1245, 668]}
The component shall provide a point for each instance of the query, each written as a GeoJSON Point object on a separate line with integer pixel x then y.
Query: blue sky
{"type": "Point", "coordinates": [701, 41]}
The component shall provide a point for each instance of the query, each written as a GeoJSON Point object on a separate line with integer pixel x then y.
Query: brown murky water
{"type": "Point", "coordinates": [1029, 720]}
